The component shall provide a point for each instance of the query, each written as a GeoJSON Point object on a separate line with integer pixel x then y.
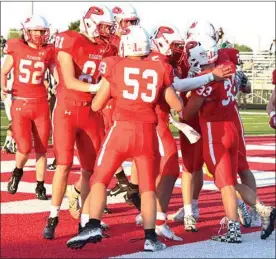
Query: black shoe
{"type": "Point", "coordinates": [132, 197]}
{"type": "Point", "coordinates": [107, 211]}
{"type": "Point", "coordinates": [134, 200]}
{"type": "Point", "coordinates": [117, 189]}
{"type": "Point", "coordinates": [52, 167]}
{"type": "Point", "coordinates": [80, 228]}
{"type": "Point", "coordinates": [49, 231]}
{"type": "Point", "coordinates": [40, 192]}
{"type": "Point", "coordinates": [128, 201]}
{"type": "Point", "coordinates": [88, 234]}
{"type": "Point", "coordinates": [268, 224]}
{"type": "Point", "coordinates": [14, 181]}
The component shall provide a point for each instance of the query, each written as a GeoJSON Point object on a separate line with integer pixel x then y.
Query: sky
{"type": "Point", "coordinates": [249, 23]}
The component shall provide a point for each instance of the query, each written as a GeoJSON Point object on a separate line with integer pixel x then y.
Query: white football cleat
{"type": "Point", "coordinates": [256, 220]}
{"type": "Point", "coordinates": [180, 214]}
{"type": "Point", "coordinates": [139, 220]}
{"type": "Point", "coordinates": [190, 223]}
{"type": "Point", "coordinates": [177, 216]}
{"type": "Point", "coordinates": [245, 218]}
{"type": "Point", "coordinates": [153, 246]}
{"type": "Point", "coordinates": [165, 231]}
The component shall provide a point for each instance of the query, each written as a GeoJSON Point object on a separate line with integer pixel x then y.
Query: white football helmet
{"type": "Point", "coordinates": [125, 13]}
{"type": "Point", "coordinates": [97, 22]}
{"type": "Point", "coordinates": [135, 41]}
{"type": "Point", "coordinates": [202, 27]}
{"type": "Point", "coordinates": [36, 22]}
{"type": "Point", "coordinates": [201, 50]}
{"type": "Point", "coordinates": [167, 40]}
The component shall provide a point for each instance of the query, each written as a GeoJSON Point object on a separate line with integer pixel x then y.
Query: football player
{"type": "Point", "coordinates": [216, 104]}
{"type": "Point", "coordinates": [192, 176]}
{"type": "Point", "coordinates": [247, 218]}
{"type": "Point", "coordinates": [29, 57]}
{"type": "Point", "coordinates": [125, 15]}
{"type": "Point", "coordinates": [78, 57]}
{"type": "Point", "coordinates": [271, 105]}
{"type": "Point", "coordinates": [206, 28]}
{"type": "Point", "coordinates": [167, 46]}
{"type": "Point", "coordinates": [137, 83]}
{"type": "Point", "coordinates": [9, 145]}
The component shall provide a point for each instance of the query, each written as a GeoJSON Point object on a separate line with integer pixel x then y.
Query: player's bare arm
{"type": "Point", "coordinates": [5, 70]}
{"type": "Point", "coordinates": [172, 99]}
{"type": "Point", "coordinates": [192, 107]}
{"type": "Point", "coordinates": [68, 73]}
{"type": "Point", "coordinates": [102, 96]}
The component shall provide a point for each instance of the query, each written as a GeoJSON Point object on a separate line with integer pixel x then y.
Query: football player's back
{"type": "Point", "coordinates": [137, 88]}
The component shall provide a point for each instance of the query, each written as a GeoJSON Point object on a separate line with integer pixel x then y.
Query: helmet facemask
{"type": "Point", "coordinates": [177, 48]}
{"type": "Point", "coordinates": [33, 24]}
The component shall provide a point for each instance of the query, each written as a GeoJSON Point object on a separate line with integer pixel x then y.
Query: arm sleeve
{"type": "Point", "coordinates": [188, 84]}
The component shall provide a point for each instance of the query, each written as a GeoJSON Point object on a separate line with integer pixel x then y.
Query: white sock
{"type": "Point", "coordinates": [188, 210]}
{"type": "Point", "coordinates": [240, 202]}
{"type": "Point", "coordinates": [195, 203]}
{"type": "Point", "coordinates": [161, 216]}
{"type": "Point", "coordinates": [54, 211]}
{"type": "Point", "coordinates": [84, 219]}
{"type": "Point", "coordinates": [8, 138]}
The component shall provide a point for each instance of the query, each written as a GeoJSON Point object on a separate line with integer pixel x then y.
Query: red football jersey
{"type": "Point", "coordinates": [219, 104]}
{"type": "Point", "coordinates": [162, 109]}
{"type": "Point", "coordinates": [86, 56]}
{"type": "Point", "coordinates": [136, 86]}
{"type": "Point", "coordinates": [231, 54]}
{"type": "Point", "coordinates": [29, 66]}
{"type": "Point", "coordinates": [274, 77]}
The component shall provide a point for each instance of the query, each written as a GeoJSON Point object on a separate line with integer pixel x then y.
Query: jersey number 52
{"type": "Point", "coordinates": [31, 71]}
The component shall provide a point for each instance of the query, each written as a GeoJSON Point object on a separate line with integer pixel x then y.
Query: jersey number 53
{"type": "Point", "coordinates": [134, 91]}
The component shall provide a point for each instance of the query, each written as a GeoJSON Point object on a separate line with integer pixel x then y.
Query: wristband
{"type": "Point", "coordinates": [93, 88]}
{"type": "Point", "coordinates": [272, 114]}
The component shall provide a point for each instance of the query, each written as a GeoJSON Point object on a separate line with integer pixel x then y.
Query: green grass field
{"type": "Point", "coordinates": [255, 124]}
